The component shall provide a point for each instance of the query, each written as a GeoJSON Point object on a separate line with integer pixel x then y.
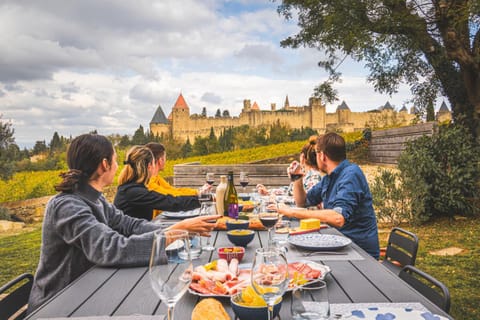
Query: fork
{"type": "Point", "coordinates": [313, 253]}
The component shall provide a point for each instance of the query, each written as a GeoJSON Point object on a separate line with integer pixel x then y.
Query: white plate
{"type": "Point", "coordinates": [318, 242]}
{"type": "Point", "coordinates": [181, 214]}
{"type": "Point", "coordinates": [386, 313]}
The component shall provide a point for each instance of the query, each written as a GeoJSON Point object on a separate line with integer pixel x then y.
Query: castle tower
{"type": "Point", "coordinates": [246, 105]}
{"type": "Point", "coordinates": [286, 105]}
{"type": "Point", "coordinates": [317, 114]}
{"type": "Point", "coordinates": [180, 117]}
{"type": "Point", "coordinates": [343, 113]}
{"type": "Point", "coordinates": [255, 106]}
{"type": "Point", "coordinates": [444, 114]}
{"type": "Point", "coordinates": [159, 124]}
{"type": "Point", "coordinates": [403, 110]}
{"type": "Point", "coordinates": [273, 106]}
{"type": "Point", "coordinates": [387, 107]}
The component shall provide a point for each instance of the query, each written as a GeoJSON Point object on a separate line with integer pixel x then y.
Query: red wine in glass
{"type": "Point", "coordinates": [209, 178]}
{"type": "Point", "coordinates": [244, 183]}
{"type": "Point", "coordinates": [269, 221]}
{"type": "Point", "coordinates": [210, 182]}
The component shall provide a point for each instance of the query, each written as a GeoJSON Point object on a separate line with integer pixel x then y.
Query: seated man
{"type": "Point", "coordinates": [344, 192]}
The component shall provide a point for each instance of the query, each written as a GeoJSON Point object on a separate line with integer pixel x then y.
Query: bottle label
{"type": "Point", "coordinates": [233, 210]}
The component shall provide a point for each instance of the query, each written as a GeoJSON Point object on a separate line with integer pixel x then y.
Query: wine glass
{"type": "Point", "coordinates": [210, 178]}
{"type": "Point", "coordinates": [243, 180]}
{"type": "Point", "coordinates": [268, 218]}
{"type": "Point", "coordinates": [208, 208]}
{"type": "Point", "coordinates": [170, 273]}
{"type": "Point", "coordinates": [270, 276]}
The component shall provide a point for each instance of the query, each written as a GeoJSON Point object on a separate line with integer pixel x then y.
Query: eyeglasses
{"type": "Point", "coordinates": [318, 151]}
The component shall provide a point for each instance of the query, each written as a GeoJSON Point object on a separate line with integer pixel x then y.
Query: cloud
{"type": "Point", "coordinates": [211, 97]}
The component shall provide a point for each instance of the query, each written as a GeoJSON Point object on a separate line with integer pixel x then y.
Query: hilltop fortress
{"type": "Point", "coordinates": [180, 124]}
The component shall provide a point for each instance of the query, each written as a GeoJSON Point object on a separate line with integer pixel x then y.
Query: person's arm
{"type": "Point", "coordinates": [299, 193]}
{"type": "Point", "coordinates": [328, 216]}
{"type": "Point", "coordinates": [142, 197]}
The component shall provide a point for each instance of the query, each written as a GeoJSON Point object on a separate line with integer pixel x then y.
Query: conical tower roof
{"type": "Point", "coordinates": [287, 103]}
{"type": "Point", "coordinates": [180, 103]}
{"type": "Point", "coordinates": [443, 107]}
{"type": "Point", "coordinates": [255, 106]}
{"type": "Point", "coordinates": [404, 109]}
{"type": "Point", "coordinates": [343, 106]}
{"type": "Point", "coordinates": [159, 116]}
{"type": "Point", "coordinates": [387, 106]}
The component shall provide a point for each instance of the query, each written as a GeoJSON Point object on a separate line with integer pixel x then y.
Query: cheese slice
{"type": "Point", "coordinates": [306, 224]}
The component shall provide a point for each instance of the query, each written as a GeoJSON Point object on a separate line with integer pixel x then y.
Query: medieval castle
{"type": "Point", "coordinates": [182, 125]}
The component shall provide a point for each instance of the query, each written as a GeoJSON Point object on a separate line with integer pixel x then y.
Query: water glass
{"type": "Point", "coordinates": [310, 301]}
{"type": "Point", "coordinates": [282, 230]}
{"type": "Point", "coordinates": [195, 246]}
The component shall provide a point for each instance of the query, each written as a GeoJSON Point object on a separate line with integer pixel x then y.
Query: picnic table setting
{"type": "Point", "coordinates": [256, 265]}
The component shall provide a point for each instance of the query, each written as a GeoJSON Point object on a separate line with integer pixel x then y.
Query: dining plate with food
{"type": "Point", "coordinates": [220, 278]}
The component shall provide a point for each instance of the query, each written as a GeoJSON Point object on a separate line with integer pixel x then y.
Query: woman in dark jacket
{"type": "Point", "coordinates": [135, 199]}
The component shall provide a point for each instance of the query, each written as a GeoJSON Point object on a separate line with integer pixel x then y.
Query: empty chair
{"type": "Point", "coordinates": [401, 250]}
{"type": "Point", "coordinates": [18, 298]}
{"type": "Point", "coordinates": [427, 285]}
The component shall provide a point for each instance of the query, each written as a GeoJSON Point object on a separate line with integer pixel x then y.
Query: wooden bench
{"type": "Point", "coordinates": [193, 174]}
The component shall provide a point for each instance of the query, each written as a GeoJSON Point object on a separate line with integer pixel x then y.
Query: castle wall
{"type": "Point", "coordinates": [314, 115]}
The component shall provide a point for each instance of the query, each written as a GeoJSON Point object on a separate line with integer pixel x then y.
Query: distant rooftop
{"type": "Point", "coordinates": [159, 116]}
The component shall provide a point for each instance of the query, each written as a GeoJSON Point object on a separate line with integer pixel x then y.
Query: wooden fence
{"type": "Point", "coordinates": [193, 174]}
{"type": "Point", "coordinates": [386, 145]}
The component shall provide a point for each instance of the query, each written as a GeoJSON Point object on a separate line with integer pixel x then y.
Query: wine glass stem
{"type": "Point", "coordinates": [270, 312]}
{"type": "Point", "coordinates": [270, 242]}
{"type": "Point", "coordinates": [170, 313]}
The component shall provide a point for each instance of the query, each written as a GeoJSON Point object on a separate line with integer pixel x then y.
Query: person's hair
{"type": "Point", "coordinates": [309, 154]}
{"type": "Point", "coordinates": [84, 155]}
{"type": "Point", "coordinates": [157, 149]}
{"type": "Point", "coordinates": [333, 146]}
{"type": "Point", "coordinates": [136, 165]}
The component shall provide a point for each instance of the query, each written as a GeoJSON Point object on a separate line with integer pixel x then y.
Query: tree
{"type": "Point", "coordinates": [55, 143]}
{"type": "Point", "coordinates": [218, 114]}
{"type": "Point", "coordinates": [226, 113]}
{"type": "Point", "coordinates": [187, 149]}
{"type": "Point", "coordinates": [39, 147]}
{"type": "Point", "coordinates": [139, 136]}
{"type": "Point", "coordinates": [7, 150]}
{"type": "Point", "coordinates": [433, 46]}
{"type": "Point", "coordinates": [430, 112]}
{"type": "Point", "coordinates": [204, 112]}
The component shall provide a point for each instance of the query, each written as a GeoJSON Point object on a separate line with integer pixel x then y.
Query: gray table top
{"type": "Point", "coordinates": [127, 291]}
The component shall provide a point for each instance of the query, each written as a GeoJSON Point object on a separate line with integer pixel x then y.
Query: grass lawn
{"type": "Point", "coordinates": [461, 273]}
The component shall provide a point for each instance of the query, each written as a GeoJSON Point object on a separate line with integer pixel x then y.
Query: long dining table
{"type": "Point", "coordinates": [355, 279]}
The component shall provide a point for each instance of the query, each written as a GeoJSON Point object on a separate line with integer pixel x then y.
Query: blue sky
{"type": "Point", "coordinates": [76, 66]}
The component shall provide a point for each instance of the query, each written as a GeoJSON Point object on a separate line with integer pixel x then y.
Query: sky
{"type": "Point", "coordinates": [76, 66]}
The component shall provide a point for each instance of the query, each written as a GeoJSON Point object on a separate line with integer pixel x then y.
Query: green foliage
{"type": "Point", "coordinates": [357, 145]}
{"type": "Point", "coordinates": [390, 199]}
{"type": "Point", "coordinates": [442, 173]}
{"type": "Point", "coordinates": [26, 185]}
{"type": "Point", "coordinates": [399, 42]}
{"type": "Point", "coordinates": [5, 214]}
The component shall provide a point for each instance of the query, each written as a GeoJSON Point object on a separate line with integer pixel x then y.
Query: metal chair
{"type": "Point", "coordinates": [401, 250]}
{"type": "Point", "coordinates": [427, 285]}
{"type": "Point", "coordinates": [17, 299]}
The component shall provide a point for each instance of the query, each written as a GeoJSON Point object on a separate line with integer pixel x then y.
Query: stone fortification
{"type": "Point", "coordinates": [182, 125]}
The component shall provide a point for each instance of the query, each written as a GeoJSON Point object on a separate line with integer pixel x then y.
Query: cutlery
{"type": "Point", "coordinates": [309, 254]}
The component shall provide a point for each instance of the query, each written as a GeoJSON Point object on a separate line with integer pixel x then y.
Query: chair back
{"type": "Point", "coordinates": [427, 285]}
{"type": "Point", "coordinates": [402, 247]}
{"type": "Point", "coordinates": [16, 299]}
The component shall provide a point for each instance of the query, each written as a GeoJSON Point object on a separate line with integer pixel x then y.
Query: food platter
{"type": "Point", "coordinates": [245, 269]}
{"type": "Point", "coordinates": [318, 241]}
{"type": "Point", "coordinates": [181, 214]}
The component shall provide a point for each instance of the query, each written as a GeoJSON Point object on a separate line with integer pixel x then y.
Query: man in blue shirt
{"type": "Point", "coordinates": [343, 194]}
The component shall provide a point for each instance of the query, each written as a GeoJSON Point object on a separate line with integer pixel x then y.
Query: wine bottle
{"type": "Point", "coordinates": [220, 194]}
{"type": "Point", "coordinates": [230, 202]}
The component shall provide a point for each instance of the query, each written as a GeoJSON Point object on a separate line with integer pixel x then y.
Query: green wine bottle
{"type": "Point", "coordinates": [231, 199]}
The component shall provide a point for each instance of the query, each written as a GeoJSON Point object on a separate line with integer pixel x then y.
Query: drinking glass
{"type": "Point", "coordinates": [269, 219]}
{"type": "Point", "coordinates": [310, 301]}
{"type": "Point", "coordinates": [210, 178]}
{"type": "Point", "coordinates": [243, 180]}
{"type": "Point", "coordinates": [170, 272]}
{"type": "Point", "coordinates": [208, 208]}
{"type": "Point", "coordinates": [270, 276]}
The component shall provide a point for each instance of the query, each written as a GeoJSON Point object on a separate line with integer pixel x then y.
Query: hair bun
{"type": "Point", "coordinates": [312, 140]}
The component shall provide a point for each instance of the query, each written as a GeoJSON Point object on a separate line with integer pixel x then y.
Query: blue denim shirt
{"type": "Point", "coordinates": [346, 191]}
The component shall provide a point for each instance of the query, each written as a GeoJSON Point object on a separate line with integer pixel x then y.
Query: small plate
{"type": "Point", "coordinates": [181, 214]}
{"type": "Point", "coordinates": [318, 241]}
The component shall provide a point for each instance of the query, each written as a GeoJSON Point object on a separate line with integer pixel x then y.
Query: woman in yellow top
{"type": "Point", "coordinates": [157, 183]}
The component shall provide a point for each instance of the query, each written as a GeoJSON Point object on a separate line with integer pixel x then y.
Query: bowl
{"type": "Point", "coordinates": [229, 253]}
{"type": "Point", "coordinates": [244, 312]}
{"type": "Point", "coordinates": [240, 237]}
{"type": "Point", "coordinates": [244, 196]}
{"type": "Point", "coordinates": [237, 224]}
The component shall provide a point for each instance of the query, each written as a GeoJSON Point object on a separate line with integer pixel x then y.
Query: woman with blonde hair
{"type": "Point", "coordinates": [134, 198]}
{"type": "Point", "coordinates": [308, 163]}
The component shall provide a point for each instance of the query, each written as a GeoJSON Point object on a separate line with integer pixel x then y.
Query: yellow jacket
{"type": "Point", "coordinates": [160, 185]}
